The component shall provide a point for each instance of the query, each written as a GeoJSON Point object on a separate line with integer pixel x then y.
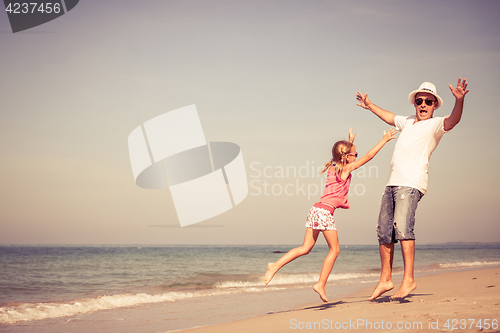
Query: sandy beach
{"type": "Point", "coordinates": [464, 300]}
{"type": "Point", "coordinates": [467, 301]}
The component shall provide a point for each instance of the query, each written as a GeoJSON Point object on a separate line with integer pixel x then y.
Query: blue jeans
{"type": "Point", "coordinates": [397, 214]}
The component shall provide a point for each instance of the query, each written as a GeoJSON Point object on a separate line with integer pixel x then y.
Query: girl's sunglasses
{"type": "Point", "coordinates": [355, 154]}
{"type": "Point", "coordinates": [419, 101]}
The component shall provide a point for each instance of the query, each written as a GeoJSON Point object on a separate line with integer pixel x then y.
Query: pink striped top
{"type": "Point", "coordinates": [335, 194]}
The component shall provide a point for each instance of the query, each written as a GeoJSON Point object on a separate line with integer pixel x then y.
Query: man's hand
{"type": "Point", "coordinates": [351, 136]}
{"type": "Point", "coordinates": [461, 90]}
{"type": "Point", "coordinates": [364, 102]}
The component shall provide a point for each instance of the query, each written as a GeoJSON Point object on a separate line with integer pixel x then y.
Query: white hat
{"type": "Point", "coordinates": [426, 87]}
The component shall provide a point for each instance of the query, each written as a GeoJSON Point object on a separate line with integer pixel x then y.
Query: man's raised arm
{"type": "Point", "coordinates": [365, 103]}
{"type": "Point", "coordinates": [459, 92]}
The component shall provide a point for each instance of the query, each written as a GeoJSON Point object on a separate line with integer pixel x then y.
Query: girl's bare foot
{"type": "Point", "coordinates": [271, 270]}
{"type": "Point", "coordinates": [381, 288]}
{"type": "Point", "coordinates": [321, 292]}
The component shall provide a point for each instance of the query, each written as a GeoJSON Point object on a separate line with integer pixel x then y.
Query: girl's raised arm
{"type": "Point", "coordinates": [363, 160]}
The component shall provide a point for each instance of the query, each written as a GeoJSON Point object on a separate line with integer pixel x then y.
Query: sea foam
{"type": "Point", "coordinates": [37, 311]}
{"type": "Point", "coordinates": [294, 279]}
{"type": "Point", "coordinates": [469, 264]}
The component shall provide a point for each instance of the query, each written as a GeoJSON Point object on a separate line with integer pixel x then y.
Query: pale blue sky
{"type": "Point", "coordinates": [278, 78]}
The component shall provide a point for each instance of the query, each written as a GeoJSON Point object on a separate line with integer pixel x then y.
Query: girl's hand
{"type": "Point", "coordinates": [351, 136]}
{"type": "Point", "coordinates": [364, 102]}
{"type": "Point", "coordinates": [390, 135]}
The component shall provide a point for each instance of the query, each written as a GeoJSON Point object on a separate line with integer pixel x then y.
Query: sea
{"type": "Point", "coordinates": [39, 282]}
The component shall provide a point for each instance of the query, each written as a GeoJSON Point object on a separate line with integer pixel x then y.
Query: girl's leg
{"type": "Point", "coordinates": [334, 250]}
{"type": "Point", "coordinates": [309, 241]}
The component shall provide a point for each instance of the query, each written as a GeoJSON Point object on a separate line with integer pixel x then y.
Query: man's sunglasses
{"type": "Point", "coordinates": [419, 101]}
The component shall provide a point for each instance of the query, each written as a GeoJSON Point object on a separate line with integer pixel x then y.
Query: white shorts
{"type": "Point", "coordinates": [320, 219]}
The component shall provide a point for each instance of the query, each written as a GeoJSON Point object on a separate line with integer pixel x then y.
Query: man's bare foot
{"type": "Point", "coordinates": [271, 270]}
{"type": "Point", "coordinates": [404, 289]}
{"type": "Point", "coordinates": [381, 288]}
{"type": "Point", "coordinates": [321, 292]}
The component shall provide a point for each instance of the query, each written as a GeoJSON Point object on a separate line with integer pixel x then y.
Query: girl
{"type": "Point", "coordinates": [320, 218]}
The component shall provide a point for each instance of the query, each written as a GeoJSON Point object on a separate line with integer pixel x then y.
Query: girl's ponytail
{"type": "Point", "coordinates": [327, 166]}
{"type": "Point", "coordinates": [339, 153]}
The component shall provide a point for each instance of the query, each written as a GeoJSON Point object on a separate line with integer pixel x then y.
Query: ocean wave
{"type": "Point", "coordinates": [469, 264]}
{"type": "Point", "coordinates": [292, 279]}
{"type": "Point", "coordinates": [37, 311]}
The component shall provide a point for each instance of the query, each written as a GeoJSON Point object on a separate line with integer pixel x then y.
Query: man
{"type": "Point", "coordinates": [420, 135]}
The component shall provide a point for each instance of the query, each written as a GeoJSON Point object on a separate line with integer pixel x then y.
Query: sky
{"type": "Point", "coordinates": [278, 78]}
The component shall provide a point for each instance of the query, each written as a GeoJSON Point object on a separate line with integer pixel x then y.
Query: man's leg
{"type": "Point", "coordinates": [385, 283]}
{"type": "Point", "coordinates": [407, 199]}
{"type": "Point", "coordinates": [408, 284]}
{"type": "Point", "coordinates": [385, 234]}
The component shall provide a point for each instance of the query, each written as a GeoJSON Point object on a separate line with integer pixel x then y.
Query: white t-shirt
{"type": "Point", "coordinates": [410, 160]}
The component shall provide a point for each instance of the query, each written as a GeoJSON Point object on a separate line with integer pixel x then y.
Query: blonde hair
{"type": "Point", "coordinates": [339, 156]}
